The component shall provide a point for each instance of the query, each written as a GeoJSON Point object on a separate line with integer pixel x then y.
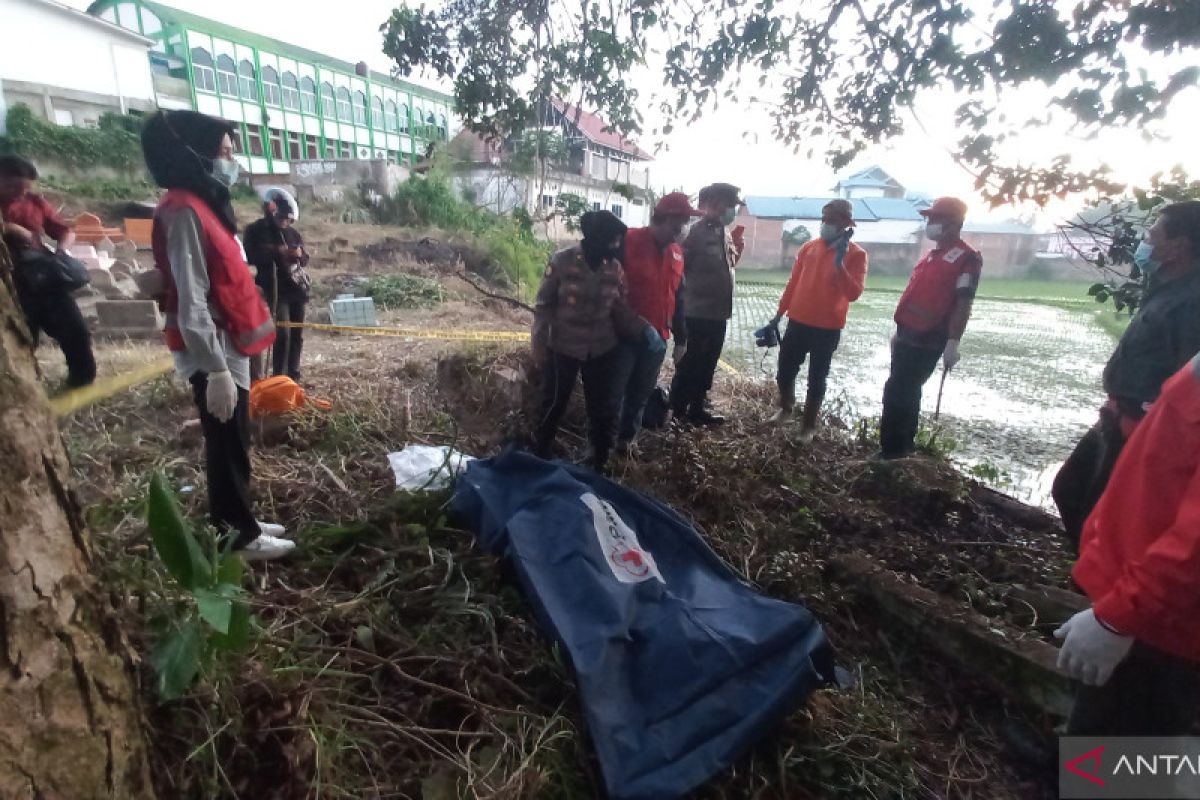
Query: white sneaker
{"type": "Point", "coordinates": [272, 529]}
{"type": "Point", "coordinates": [267, 548]}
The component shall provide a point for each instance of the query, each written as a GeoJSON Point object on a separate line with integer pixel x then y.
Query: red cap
{"type": "Point", "coordinates": [946, 207]}
{"type": "Point", "coordinates": [676, 204]}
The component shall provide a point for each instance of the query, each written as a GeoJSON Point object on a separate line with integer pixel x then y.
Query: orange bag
{"type": "Point", "coordinates": [280, 395]}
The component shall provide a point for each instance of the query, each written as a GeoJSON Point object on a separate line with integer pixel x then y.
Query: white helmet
{"type": "Point", "coordinates": [279, 197]}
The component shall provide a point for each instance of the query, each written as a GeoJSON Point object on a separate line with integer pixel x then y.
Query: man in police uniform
{"type": "Point", "coordinates": [930, 321]}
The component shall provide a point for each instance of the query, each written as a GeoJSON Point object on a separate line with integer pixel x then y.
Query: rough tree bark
{"type": "Point", "coordinates": [70, 723]}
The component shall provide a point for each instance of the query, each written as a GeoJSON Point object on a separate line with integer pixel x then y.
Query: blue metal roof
{"type": "Point", "coordinates": [892, 208]}
{"type": "Point", "coordinates": [866, 209]}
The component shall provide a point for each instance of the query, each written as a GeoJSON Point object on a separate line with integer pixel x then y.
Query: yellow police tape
{"type": "Point", "coordinates": [72, 401]}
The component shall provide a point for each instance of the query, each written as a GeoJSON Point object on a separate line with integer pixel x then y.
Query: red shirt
{"type": "Point", "coordinates": [32, 212]}
{"type": "Point", "coordinates": [939, 279]}
{"type": "Point", "coordinates": [652, 278]}
{"type": "Point", "coordinates": [1140, 551]}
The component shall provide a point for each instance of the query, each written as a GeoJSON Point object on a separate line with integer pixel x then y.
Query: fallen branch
{"type": "Point", "coordinates": [512, 301]}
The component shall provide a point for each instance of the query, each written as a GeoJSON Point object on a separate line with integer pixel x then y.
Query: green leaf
{"type": "Point", "coordinates": [173, 540]}
{"type": "Point", "coordinates": [176, 659]}
{"type": "Point", "coordinates": [231, 569]}
{"type": "Point", "coordinates": [214, 609]}
{"type": "Point", "coordinates": [239, 630]}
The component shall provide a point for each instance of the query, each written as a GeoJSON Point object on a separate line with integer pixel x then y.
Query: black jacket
{"type": "Point", "coordinates": [261, 240]}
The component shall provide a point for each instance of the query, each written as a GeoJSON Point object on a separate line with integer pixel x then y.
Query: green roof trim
{"type": "Point", "coordinates": [173, 16]}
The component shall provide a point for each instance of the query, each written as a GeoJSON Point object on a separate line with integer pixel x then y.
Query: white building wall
{"type": "Point", "coordinates": [57, 47]}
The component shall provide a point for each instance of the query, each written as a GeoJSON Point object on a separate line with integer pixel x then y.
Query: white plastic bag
{"type": "Point", "coordinates": [420, 466]}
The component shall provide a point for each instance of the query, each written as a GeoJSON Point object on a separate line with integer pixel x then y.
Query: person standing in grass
{"type": "Point", "coordinates": [654, 265]}
{"type": "Point", "coordinates": [930, 320]}
{"type": "Point", "coordinates": [579, 316]}
{"type": "Point", "coordinates": [215, 318]}
{"type": "Point", "coordinates": [1137, 649]}
{"type": "Point", "coordinates": [829, 274]}
{"type": "Point", "coordinates": [276, 249]}
{"type": "Point", "coordinates": [1163, 335]}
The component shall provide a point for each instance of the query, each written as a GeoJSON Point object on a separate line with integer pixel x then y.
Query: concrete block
{"type": "Point", "coordinates": [356, 311]}
{"type": "Point", "coordinates": [105, 246]}
{"type": "Point", "coordinates": [149, 283]}
{"type": "Point", "coordinates": [129, 314]}
{"type": "Point", "coordinates": [125, 267]}
{"type": "Point", "coordinates": [83, 251]}
{"type": "Point", "coordinates": [123, 288]}
{"type": "Point", "coordinates": [100, 279]}
{"type": "Point", "coordinates": [125, 249]}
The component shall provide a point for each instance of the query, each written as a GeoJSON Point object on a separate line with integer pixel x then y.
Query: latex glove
{"type": "Point", "coordinates": [950, 355]}
{"type": "Point", "coordinates": [678, 353]}
{"type": "Point", "coordinates": [655, 343]}
{"type": "Point", "coordinates": [1090, 651]}
{"type": "Point", "coordinates": [221, 396]}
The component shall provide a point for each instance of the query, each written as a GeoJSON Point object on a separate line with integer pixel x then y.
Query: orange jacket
{"type": "Point", "coordinates": [1140, 550]}
{"type": "Point", "coordinates": [819, 293]}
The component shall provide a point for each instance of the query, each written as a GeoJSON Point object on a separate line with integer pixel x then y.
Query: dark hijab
{"type": "Point", "coordinates": [599, 229]}
{"type": "Point", "coordinates": [180, 147]}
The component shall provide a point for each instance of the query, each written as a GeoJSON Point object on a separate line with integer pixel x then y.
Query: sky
{"type": "Point", "coordinates": [734, 143]}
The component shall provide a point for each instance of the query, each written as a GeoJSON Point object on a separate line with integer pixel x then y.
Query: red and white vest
{"type": "Point", "coordinates": [936, 282]}
{"type": "Point", "coordinates": [652, 278]}
{"type": "Point", "coordinates": [237, 306]}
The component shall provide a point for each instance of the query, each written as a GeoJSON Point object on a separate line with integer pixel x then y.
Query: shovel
{"type": "Point", "coordinates": [937, 412]}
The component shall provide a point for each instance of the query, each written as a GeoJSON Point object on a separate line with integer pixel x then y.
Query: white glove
{"type": "Point", "coordinates": [950, 355]}
{"type": "Point", "coordinates": [1090, 651]}
{"type": "Point", "coordinates": [221, 396]}
{"type": "Point", "coordinates": [677, 353]}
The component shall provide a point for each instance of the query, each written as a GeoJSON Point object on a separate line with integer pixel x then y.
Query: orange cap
{"type": "Point", "coordinates": [946, 207]}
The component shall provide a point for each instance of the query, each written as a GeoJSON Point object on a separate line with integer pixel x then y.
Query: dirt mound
{"type": "Point", "coordinates": [444, 257]}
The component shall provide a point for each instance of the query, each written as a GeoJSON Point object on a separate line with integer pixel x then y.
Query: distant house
{"type": "Point", "coordinates": [888, 225]}
{"type": "Point", "coordinates": [605, 170]}
{"type": "Point", "coordinates": [70, 67]}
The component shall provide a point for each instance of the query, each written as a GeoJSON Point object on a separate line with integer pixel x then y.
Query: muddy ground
{"type": "Point", "coordinates": [393, 660]}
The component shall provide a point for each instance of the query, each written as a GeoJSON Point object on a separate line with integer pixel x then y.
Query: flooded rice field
{"type": "Point", "coordinates": [1027, 388]}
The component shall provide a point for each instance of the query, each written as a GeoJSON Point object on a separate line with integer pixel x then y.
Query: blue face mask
{"type": "Point", "coordinates": [1144, 260]}
{"type": "Point", "coordinates": [225, 171]}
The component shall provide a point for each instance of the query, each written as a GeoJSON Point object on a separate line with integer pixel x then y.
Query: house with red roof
{"type": "Point", "coordinates": [588, 167]}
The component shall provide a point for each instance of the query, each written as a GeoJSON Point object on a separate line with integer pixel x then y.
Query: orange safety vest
{"type": "Point", "coordinates": [237, 306]}
{"type": "Point", "coordinates": [933, 290]}
{"type": "Point", "coordinates": [652, 278]}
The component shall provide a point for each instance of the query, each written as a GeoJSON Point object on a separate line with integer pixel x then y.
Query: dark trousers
{"type": "Point", "coordinates": [58, 316]}
{"type": "Point", "coordinates": [227, 465]}
{"type": "Point", "coordinates": [694, 373]}
{"type": "Point", "coordinates": [599, 396]}
{"type": "Point", "coordinates": [798, 343]}
{"type": "Point", "coordinates": [634, 376]}
{"type": "Point", "coordinates": [911, 367]}
{"type": "Point", "coordinates": [285, 355]}
{"type": "Point", "coordinates": [1083, 476]}
{"type": "Point", "coordinates": [1151, 693]}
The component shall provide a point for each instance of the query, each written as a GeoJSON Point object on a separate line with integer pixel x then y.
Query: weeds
{"type": "Point", "coordinates": [399, 290]}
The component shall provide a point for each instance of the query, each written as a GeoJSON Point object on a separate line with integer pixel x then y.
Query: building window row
{"type": "Point", "coordinates": [232, 79]}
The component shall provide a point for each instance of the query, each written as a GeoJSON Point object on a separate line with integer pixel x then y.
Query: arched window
{"type": "Point", "coordinates": [402, 118]}
{"type": "Point", "coordinates": [227, 76]}
{"type": "Point", "coordinates": [360, 108]}
{"type": "Point", "coordinates": [270, 84]}
{"type": "Point", "coordinates": [249, 85]}
{"type": "Point", "coordinates": [327, 100]}
{"type": "Point", "coordinates": [343, 104]}
{"type": "Point", "coordinates": [202, 68]}
{"type": "Point", "coordinates": [308, 96]}
{"type": "Point", "coordinates": [291, 97]}
{"type": "Point", "coordinates": [389, 117]}
{"type": "Point", "coordinates": [377, 117]}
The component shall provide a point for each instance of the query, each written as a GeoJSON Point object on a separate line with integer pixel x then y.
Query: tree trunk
{"type": "Point", "coordinates": [70, 722]}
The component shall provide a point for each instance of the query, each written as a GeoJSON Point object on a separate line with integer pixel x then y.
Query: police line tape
{"type": "Point", "coordinates": [71, 401]}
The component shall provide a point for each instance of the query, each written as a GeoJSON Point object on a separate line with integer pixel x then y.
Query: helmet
{"type": "Point", "coordinates": [276, 198]}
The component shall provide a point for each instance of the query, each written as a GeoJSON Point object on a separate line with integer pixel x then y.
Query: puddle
{"type": "Point", "coordinates": [1027, 388]}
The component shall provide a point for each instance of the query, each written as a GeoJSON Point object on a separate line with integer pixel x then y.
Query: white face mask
{"type": "Point", "coordinates": [934, 230]}
{"type": "Point", "coordinates": [226, 171]}
{"type": "Point", "coordinates": [829, 232]}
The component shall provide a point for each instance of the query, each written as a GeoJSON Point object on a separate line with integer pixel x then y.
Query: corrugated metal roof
{"type": "Point", "coordinates": [892, 208]}
{"type": "Point", "coordinates": [866, 209]}
{"type": "Point", "coordinates": [999, 227]}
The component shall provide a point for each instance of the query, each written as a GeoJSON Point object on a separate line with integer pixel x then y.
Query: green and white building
{"type": "Point", "coordinates": [289, 103]}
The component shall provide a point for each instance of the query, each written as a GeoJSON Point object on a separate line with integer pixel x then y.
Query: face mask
{"type": "Point", "coordinates": [225, 171]}
{"type": "Point", "coordinates": [1144, 260]}
{"type": "Point", "coordinates": [729, 217]}
{"type": "Point", "coordinates": [933, 230]}
{"type": "Point", "coordinates": [829, 232]}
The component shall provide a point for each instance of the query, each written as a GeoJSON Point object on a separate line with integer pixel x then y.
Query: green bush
{"type": "Point", "coordinates": [404, 291]}
{"type": "Point", "coordinates": [103, 188]}
{"type": "Point", "coordinates": [114, 144]}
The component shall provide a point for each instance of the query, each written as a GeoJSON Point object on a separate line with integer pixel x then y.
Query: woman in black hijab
{"type": "Point", "coordinates": [579, 315]}
{"type": "Point", "coordinates": [215, 319]}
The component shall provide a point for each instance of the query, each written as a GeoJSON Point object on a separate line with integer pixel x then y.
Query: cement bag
{"type": "Point", "coordinates": [681, 665]}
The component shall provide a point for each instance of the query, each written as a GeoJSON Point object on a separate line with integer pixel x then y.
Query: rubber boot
{"type": "Point", "coordinates": [812, 408]}
{"type": "Point", "coordinates": [787, 404]}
